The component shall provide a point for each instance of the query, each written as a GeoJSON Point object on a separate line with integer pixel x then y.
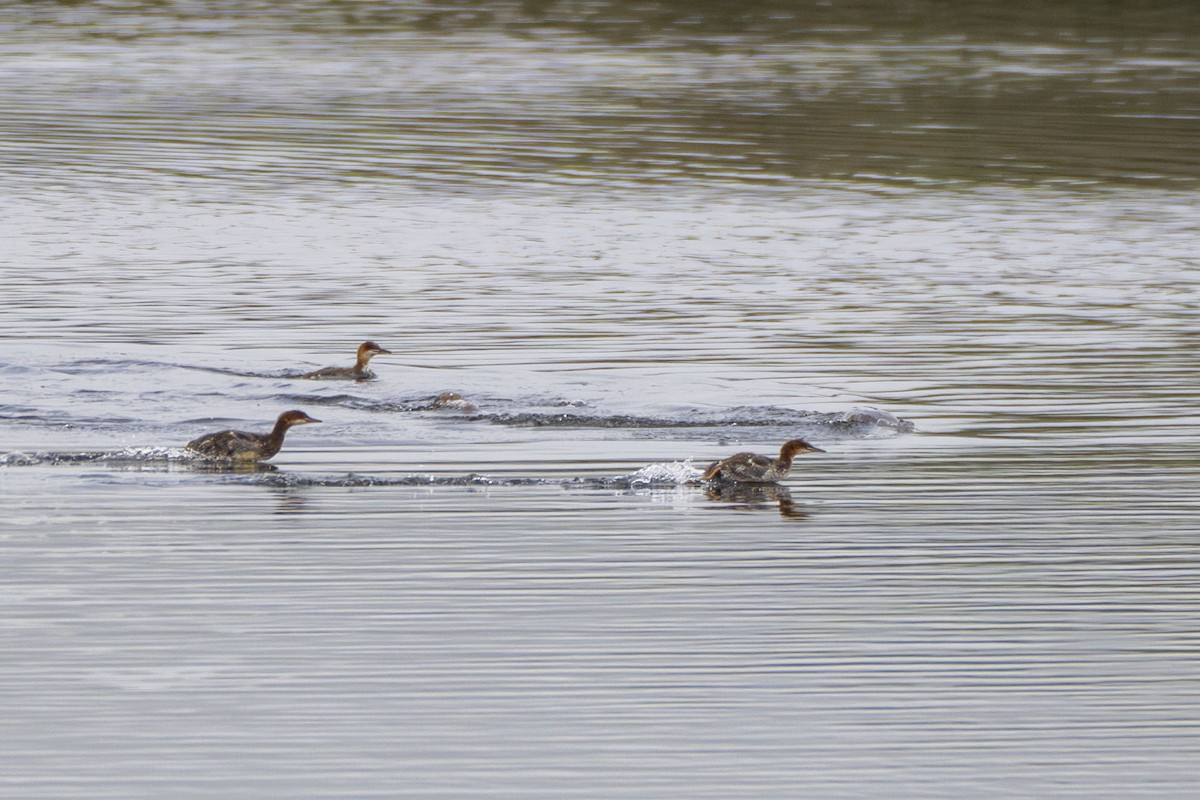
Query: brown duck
{"type": "Point", "coordinates": [242, 446]}
{"type": "Point", "coordinates": [366, 351]}
{"type": "Point", "coordinates": [751, 468]}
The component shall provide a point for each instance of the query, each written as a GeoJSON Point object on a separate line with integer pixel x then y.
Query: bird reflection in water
{"type": "Point", "coordinates": [230, 467]}
{"type": "Point", "coordinates": [755, 497]}
{"type": "Point", "coordinates": [289, 500]}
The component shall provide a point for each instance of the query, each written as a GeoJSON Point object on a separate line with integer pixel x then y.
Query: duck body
{"type": "Point", "coordinates": [453, 401]}
{"type": "Point", "coordinates": [244, 446]}
{"type": "Point", "coordinates": [340, 373]}
{"type": "Point", "coordinates": [753, 468]}
{"type": "Point", "coordinates": [359, 372]}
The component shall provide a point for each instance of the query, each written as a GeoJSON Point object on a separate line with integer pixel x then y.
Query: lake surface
{"type": "Point", "coordinates": [955, 248]}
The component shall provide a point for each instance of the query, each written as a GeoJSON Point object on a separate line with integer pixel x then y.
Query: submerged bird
{"type": "Point", "coordinates": [454, 401]}
{"type": "Point", "coordinates": [751, 468]}
{"type": "Point", "coordinates": [242, 446]}
{"type": "Point", "coordinates": [366, 351]}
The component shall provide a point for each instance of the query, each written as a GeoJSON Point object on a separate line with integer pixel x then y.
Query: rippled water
{"type": "Point", "coordinates": [955, 248]}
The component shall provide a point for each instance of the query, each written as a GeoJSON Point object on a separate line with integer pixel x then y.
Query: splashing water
{"type": "Point", "coordinates": [675, 472]}
{"type": "Point", "coordinates": [128, 454]}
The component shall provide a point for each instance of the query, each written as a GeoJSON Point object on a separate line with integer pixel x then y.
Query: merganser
{"type": "Point", "coordinates": [751, 468]}
{"type": "Point", "coordinates": [454, 401]}
{"type": "Point", "coordinates": [242, 446]}
{"type": "Point", "coordinates": [366, 351]}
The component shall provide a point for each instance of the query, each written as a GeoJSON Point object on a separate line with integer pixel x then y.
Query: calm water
{"type": "Point", "coordinates": [956, 248]}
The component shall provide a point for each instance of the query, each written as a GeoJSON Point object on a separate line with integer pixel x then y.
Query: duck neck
{"type": "Point", "coordinates": [275, 437]}
{"type": "Point", "coordinates": [360, 364]}
{"type": "Point", "coordinates": [786, 454]}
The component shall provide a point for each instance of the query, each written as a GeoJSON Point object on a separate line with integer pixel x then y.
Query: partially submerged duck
{"type": "Point", "coordinates": [751, 468]}
{"type": "Point", "coordinates": [453, 401]}
{"type": "Point", "coordinates": [242, 446]}
{"type": "Point", "coordinates": [366, 351]}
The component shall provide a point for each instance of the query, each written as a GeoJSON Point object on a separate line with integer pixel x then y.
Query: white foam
{"type": "Point", "coordinates": [674, 472]}
{"type": "Point", "coordinates": [123, 455]}
{"type": "Point", "coordinates": [153, 454]}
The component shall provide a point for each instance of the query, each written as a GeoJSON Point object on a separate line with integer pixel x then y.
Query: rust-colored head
{"type": "Point", "coordinates": [290, 418]}
{"type": "Point", "coordinates": [794, 447]}
{"type": "Point", "coordinates": [368, 349]}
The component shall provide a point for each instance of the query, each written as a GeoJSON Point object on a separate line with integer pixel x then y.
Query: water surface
{"type": "Point", "coordinates": [953, 247]}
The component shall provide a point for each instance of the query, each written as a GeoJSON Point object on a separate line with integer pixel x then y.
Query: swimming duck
{"type": "Point", "coordinates": [366, 351]}
{"type": "Point", "coordinates": [751, 468]}
{"type": "Point", "coordinates": [453, 401]}
{"type": "Point", "coordinates": [242, 446]}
